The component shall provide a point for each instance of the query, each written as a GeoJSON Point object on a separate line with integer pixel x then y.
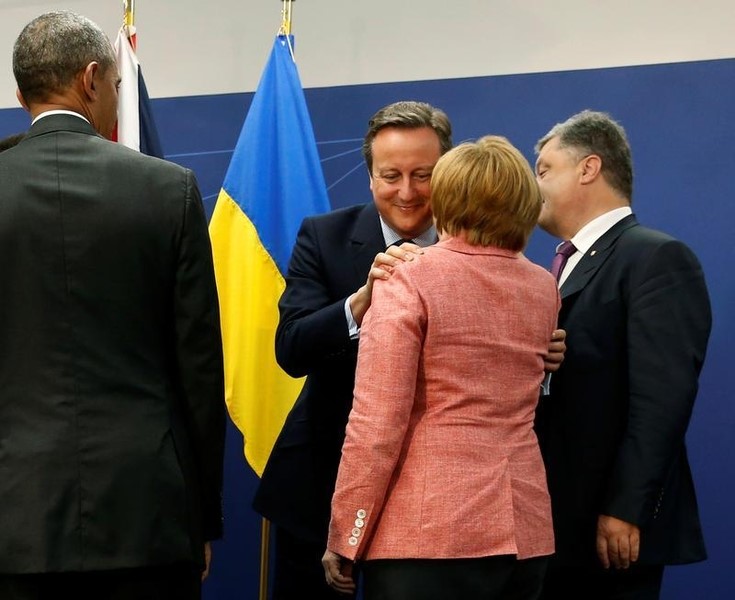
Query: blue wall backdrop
{"type": "Point", "coordinates": [681, 128]}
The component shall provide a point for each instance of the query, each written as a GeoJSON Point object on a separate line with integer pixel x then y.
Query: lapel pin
{"type": "Point", "coordinates": [593, 252]}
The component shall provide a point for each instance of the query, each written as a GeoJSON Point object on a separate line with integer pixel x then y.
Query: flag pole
{"type": "Point", "coordinates": [265, 533]}
{"type": "Point", "coordinates": [265, 530]}
{"type": "Point", "coordinates": [286, 12]}
{"type": "Point", "coordinates": [129, 22]}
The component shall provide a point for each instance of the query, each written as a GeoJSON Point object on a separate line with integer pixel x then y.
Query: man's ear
{"type": "Point", "coordinates": [22, 100]}
{"type": "Point", "coordinates": [88, 76]}
{"type": "Point", "coordinates": [591, 168]}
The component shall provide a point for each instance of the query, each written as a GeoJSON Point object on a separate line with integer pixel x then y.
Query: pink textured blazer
{"type": "Point", "coordinates": [440, 458]}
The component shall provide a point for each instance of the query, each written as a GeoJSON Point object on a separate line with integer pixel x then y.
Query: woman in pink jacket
{"type": "Point", "coordinates": [441, 492]}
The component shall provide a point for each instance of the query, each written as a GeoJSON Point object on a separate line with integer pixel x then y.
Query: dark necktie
{"type": "Point", "coordinates": [399, 242]}
{"type": "Point", "coordinates": [565, 250]}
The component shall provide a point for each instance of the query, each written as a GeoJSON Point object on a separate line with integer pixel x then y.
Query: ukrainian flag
{"type": "Point", "coordinates": [273, 182]}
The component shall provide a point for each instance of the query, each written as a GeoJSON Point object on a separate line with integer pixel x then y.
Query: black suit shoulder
{"type": "Point", "coordinates": [641, 236]}
{"type": "Point", "coordinates": [343, 227]}
{"type": "Point", "coordinates": [652, 253]}
{"type": "Point", "coordinates": [339, 216]}
{"type": "Point", "coordinates": [69, 133]}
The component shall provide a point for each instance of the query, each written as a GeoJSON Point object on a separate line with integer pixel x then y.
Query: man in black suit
{"type": "Point", "coordinates": [637, 314]}
{"type": "Point", "coordinates": [336, 258]}
{"type": "Point", "coordinates": [112, 414]}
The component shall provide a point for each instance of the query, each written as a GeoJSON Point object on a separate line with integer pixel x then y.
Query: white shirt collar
{"type": "Point", "coordinates": [427, 238]}
{"type": "Point", "coordinates": [597, 227]}
{"type": "Point", "coordinates": [60, 111]}
{"type": "Point", "coordinates": [589, 234]}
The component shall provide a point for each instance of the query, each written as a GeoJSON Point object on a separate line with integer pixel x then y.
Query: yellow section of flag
{"type": "Point", "coordinates": [250, 285]}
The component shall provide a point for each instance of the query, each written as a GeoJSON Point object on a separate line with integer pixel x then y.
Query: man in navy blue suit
{"type": "Point", "coordinates": [637, 315]}
{"type": "Point", "coordinates": [336, 258]}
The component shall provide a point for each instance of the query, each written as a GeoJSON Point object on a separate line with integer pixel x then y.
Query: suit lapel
{"type": "Point", "coordinates": [366, 240]}
{"type": "Point", "coordinates": [595, 257]}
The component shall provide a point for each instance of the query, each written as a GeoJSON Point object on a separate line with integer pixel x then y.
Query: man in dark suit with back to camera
{"type": "Point", "coordinates": [112, 414]}
{"type": "Point", "coordinates": [637, 315]}
{"type": "Point", "coordinates": [335, 261]}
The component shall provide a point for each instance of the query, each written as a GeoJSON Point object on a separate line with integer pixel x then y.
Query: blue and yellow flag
{"type": "Point", "coordinates": [273, 182]}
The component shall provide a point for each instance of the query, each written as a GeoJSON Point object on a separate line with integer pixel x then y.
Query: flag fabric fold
{"type": "Point", "coordinates": [273, 181]}
{"type": "Point", "coordinates": [135, 126]}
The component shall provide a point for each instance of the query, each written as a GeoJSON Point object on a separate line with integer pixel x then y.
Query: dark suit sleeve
{"type": "Point", "coordinates": [199, 354]}
{"type": "Point", "coordinates": [668, 327]}
{"type": "Point", "coordinates": [312, 326]}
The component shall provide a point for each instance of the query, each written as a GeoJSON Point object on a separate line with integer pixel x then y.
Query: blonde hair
{"type": "Point", "coordinates": [487, 190]}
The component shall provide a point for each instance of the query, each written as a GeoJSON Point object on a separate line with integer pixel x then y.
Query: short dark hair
{"type": "Point", "coordinates": [592, 132]}
{"type": "Point", "coordinates": [407, 114]}
{"type": "Point", "coordinates": [53, 48]}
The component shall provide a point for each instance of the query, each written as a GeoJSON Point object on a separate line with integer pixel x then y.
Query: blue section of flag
{"type": "Point", "coordinates": [275, 175]}
{"type": "Point", "coordinates": [150, 143]}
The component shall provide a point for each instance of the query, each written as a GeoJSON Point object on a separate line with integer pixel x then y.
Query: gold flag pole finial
{"type": "Point", "coordinates": [129, 10]}
{"type": "Point", "coordinates": [285, 29]}
{"type": "Point", "coordinates": [129, 21]}
{"type": "Point", "coordinates": [286, 11]}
